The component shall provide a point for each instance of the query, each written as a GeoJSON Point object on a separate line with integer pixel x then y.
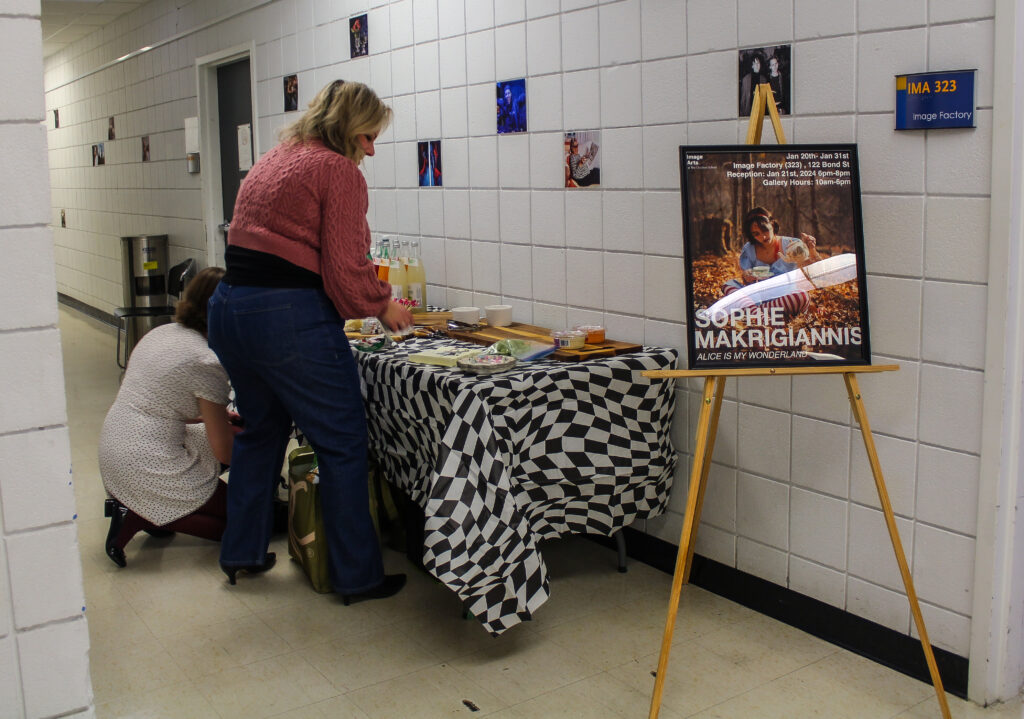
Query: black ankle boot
{"type": "Point", "coordinates": [391, 585]}
{"type": "Point", "coordinates": [117, 512]}
{"type": "Point", "coordinates": [268, 561]}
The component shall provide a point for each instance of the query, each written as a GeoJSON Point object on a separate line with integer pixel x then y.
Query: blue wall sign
{"type": "Point", "coordinates": [930, 100]}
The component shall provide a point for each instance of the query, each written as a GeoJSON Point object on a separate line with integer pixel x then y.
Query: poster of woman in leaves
{"type": "Point", "coordinates": [774, 256]}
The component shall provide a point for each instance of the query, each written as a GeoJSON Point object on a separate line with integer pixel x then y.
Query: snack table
{"type": "Point", "coordinates": [499, 462]}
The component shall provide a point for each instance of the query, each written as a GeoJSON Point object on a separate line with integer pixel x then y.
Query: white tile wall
{"type": "Point", "coordinates": [765, 22]}
{"type": "Point", "coordinates": [957, 231]}
{"type": "Point", "coordinates": [871, 555]}
{"type": "Point", "coordinates": [899, 469]}
{"type": "Point", "coordinates": [947, 489]}
{"type": "Point", "coordinates": [951, 407]}
{"type": "Point", "coordinates": [762, 510]}
{"type": "Point", "coordinates": [620, 32]}
{"type": "Point", "coordinates": [879, 14]}
{"type": "Point", "coordinates": [821, 583]}
{"type": "Point", "coordinates": [625, 221]}
{"type": "Point", "coordinates": [944, 568]}
{"type": "Point", "coordinates": [54, 668]}
{"type": "Point", "coordinates": [764, 441]}
{"type": "Point", "coordinates": [952, 330]}
{"type": "Point", "coordinates": [821, 456]}
{"type": "Point", "coordinates": [620, 95]}
{"type": "Point", "coordinates": [761, 560]}
{"type": "Point", "coordinates": [823, 18]}
{"type": "Point", "coordinates": [510, 51]}
{"type": "Point", "coordinates": [710, 25]}
{"type": "Point", "coordinates": [878, 604]}
{"type": "Point", "coordinates": [544, 45]}
{"type": "Point", "coordinates": [39, 562]}
{"type": "Point", "coordinates": [651, 75]}
{"type": "Point", "coordinates": [580, 39]}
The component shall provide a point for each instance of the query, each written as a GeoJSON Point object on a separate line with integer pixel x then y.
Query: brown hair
{"type": "Point", "coordinates": [191, 309]}
{"type": "Point", "coordinates": [762, 218]}
{"type": "Point", "coordinates": [339, 113]}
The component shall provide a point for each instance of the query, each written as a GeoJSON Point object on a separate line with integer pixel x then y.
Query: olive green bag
{"type": "Point", "coordinates": [307, 543]}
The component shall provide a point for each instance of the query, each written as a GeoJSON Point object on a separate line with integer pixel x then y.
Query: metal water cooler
{"type": "Point", "coordinates": [144, 278]}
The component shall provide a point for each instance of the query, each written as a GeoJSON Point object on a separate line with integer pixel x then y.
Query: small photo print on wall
{"type": "Point", "coordinates": [56, 119]}
{"type": "Point", "coordinates": [145, 148]}
{"type": "Point", "coordinates": [771, 65]}
{"type": "Point", "coordinates": [582, 161]}
{"type": "Point", "coordinates": [110, 128]}
{"type": "Point", "coordinates": [291, 93]}
{"type": "Point", "coordinates": [358, 37]}
{"type": "Point", "coordinates": [430, 163]}
{"type": "Point", "coordinates": [511, 106]}
{"type": "Point", "coordinates": [63, 219]}
{"type": "Point", "coordinates": [99, 155]}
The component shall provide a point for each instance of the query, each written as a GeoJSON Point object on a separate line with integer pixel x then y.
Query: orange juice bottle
{"type": "Point", "coordinates": [385, 262]}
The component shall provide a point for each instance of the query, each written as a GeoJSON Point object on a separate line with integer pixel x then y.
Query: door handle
{"type": "Point", "coordinates": [224, 226]}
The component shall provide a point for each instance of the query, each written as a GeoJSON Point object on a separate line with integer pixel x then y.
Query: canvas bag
{"type": "Point", "coordinates": [307, 542]}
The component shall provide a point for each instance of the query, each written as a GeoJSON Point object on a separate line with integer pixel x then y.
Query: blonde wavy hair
{"type": "Point", "coordinates": [338, 114]}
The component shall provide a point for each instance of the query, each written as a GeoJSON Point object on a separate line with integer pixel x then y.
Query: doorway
{"type": "Point", "coordinates": [227, 135]}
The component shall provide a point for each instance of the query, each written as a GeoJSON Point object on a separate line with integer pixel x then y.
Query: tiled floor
{"type": "Point", "coordinates": [171, 639]}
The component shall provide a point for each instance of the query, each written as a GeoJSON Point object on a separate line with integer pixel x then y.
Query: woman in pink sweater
{"type": "Point", "coordinates": [297, 267]}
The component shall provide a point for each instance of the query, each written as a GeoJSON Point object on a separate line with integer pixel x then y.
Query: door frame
{"type": "Point", "coordinates": [209, 139]}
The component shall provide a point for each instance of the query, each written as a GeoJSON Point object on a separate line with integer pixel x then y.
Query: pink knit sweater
{"type": "Point", "coordinates": [307, 204]}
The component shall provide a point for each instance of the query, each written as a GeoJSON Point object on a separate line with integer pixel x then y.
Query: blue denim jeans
{"type": "Point", "coordinates": [286, 353]}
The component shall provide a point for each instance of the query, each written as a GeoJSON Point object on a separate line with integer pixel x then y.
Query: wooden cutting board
{"type": "Point", "coordinates": [489, 335]}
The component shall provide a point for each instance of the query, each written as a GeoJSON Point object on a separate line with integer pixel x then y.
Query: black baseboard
{"type": "Point", "coordinates": [881, 644]}
{"type": "Point", "coordinates": [85, 309]}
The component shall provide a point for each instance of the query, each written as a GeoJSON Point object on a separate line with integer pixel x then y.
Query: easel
{"type": "Point", "coordinates": [707, 427]}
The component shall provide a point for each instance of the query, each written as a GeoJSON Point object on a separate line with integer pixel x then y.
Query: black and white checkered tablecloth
{"type": "Point", "coordinates": [502, 461]}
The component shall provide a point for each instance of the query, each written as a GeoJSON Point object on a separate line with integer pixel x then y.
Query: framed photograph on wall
{"type": "Point", "coordinates": [773, 252]}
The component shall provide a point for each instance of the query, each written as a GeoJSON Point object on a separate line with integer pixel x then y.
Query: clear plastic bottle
{"type": "Point", "coordinates": [416, 278]}
{"type": "Point", "coordinates": [397, 276]}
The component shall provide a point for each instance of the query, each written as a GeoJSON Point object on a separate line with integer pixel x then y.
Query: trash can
{"type": "Point", "coordinates": [144, 279]}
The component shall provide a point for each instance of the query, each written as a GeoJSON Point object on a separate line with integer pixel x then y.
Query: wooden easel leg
{"type": "Point", "coordinates": [859, 412]}
{"type": "Point", "coordinates": [705, 465]}
{"type": "Point", "coordinates": [707, 427]}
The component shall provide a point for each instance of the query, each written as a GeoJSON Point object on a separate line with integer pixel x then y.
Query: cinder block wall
{"type": "Point", "coordinates": [44, 641]}
{"type": "Point", "coordinates": [791, 497]}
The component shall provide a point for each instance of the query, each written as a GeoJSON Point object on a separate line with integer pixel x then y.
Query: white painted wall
{"type": "Point", "coordinates": [791, 497]}
{"type": "Point", "coordinates": [44, 641]}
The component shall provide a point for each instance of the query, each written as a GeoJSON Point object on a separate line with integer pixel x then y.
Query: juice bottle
{"type": "Point", "coordinates": [416, 279]}
{"type": "Point", "coordinates": [397, 277]}
{"type": "Point", "coordinates": [384, 267]}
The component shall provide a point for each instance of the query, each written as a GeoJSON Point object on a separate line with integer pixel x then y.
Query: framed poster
{"type": "Point", "coordinates": [773, 252]}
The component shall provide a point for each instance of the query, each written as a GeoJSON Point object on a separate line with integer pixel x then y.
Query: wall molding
{"type": "Point", "coordinates": [893, 649]}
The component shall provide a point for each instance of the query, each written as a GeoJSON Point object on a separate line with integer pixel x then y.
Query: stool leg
{"type": "Point", "coordinates": [122, 327]}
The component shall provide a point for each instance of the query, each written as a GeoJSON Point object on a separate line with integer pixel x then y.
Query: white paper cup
{"type": "Point", "coordinates": [498, 315]}
{"type": "Point", "coordinates": [469, 315]}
